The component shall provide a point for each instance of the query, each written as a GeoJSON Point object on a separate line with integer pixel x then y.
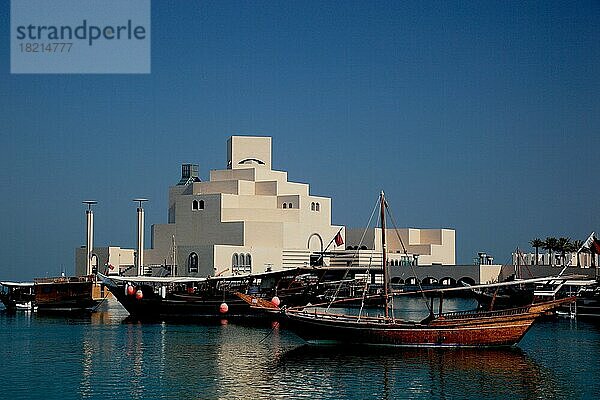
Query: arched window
{"type": "Point", "coordinates": [193, 263]}
{"type": "Point", "coordinates": [317, 207]}
{"type": "Point", "coordinates": [284, 205]}
{"type": "Point", "coordinates": [197, 205]}
{"type": "Point", "coordinates": [241, 263]}
{"type": "Point", "coordinates": [312, 206]}
{"type": "Point", "coordinates": [252, 161]}
{"type": "Point", "coordinates": [290, 205]}
{"type": "Point", "coordinates": [94, 264]}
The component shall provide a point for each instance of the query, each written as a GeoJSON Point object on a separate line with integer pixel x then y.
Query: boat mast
{"type": "Point", "coordinates": [383, 254]}
{"type": "Point", "coordinates": [173, 256]}
{"type": "Point", "coordinates": [518, 266]}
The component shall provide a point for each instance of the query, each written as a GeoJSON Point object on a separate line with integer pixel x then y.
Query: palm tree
{"type": "Point", "coordinates": [536, 243]}
{"type": "Point", "coordinates": [576, 246]}
{"type": "Point", "coordinates": [550, 244]}
{"type": "Point", "coordinates": [563, 244]}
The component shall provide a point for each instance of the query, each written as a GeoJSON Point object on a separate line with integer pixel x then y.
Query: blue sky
{"type": "Point", "coordinates": [478, 116]}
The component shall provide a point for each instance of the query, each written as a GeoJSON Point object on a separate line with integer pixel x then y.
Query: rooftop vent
{"type": "Point", "coordinates": [189, 174]}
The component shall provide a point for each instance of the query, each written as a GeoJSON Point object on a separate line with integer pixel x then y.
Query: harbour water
{"type": "Point", "coordinates": [104, 355]}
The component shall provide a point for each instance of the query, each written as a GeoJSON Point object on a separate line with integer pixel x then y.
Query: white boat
{"type": "Point", "coordinates": [17, 295]}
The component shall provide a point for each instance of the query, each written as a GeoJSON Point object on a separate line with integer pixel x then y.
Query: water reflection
{"type": "Point", "coordinates": [385, 372]}
{"type": "Point", "coordinates": [101, 356]}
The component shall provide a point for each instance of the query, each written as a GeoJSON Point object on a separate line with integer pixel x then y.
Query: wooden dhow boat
{"type": "Point", "coordinates": [467, 328]}
{"type": "Point", "coordinates": [456, 329]}
{"type": "Point", "coordinates": [67, 294]}
{"type": "Point", "coordinates": [60, 294]}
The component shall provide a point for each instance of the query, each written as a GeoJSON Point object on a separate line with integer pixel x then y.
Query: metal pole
{"type": "Point", "coordinates": [140, 237]}
{"type": "Point", "coordinates": [383, 254]}
{"type": "Point", "coordinates": [89, 245]}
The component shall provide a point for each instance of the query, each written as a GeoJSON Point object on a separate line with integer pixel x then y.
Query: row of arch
{"type": "Point", "coordinates": [197, 205]}
{"type": "Point", "coordinates": [313, 206]}
{"type": "Point", "coordinates": [400, 263]}
{"type": "Point", "coordinates": [241, 263]}
{"type": "Point", "coordinates": [447, 281]}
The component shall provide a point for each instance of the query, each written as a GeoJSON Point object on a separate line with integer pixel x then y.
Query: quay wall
{"type": "Point", "coordinates": [539, 271]}
{"type": "Point", "coordinates": [469, 273]}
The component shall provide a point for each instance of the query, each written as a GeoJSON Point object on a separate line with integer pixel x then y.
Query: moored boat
{"type": "Point", "coordinates": [66, 294]}
{"type": "Point", "coordinates": [458, 329]}
{"type": "Point", "coordinates": [17, 295]}
{"type": "Point", "coordinates": [211, 297]}
{"type": "Point", "coordinates": [587, 305]}
{"type": "Point", "coordinates": [505, 297]}
{"type": "Point", "coordinates": [475, 328]}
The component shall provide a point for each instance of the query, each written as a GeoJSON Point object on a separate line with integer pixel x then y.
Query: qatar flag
{"type": "Point", "coordinates": [338, 239]}
{"type": "Point", "coordinates": [589, 243]}
{"type": "Point", "coordinates": [596, 246]}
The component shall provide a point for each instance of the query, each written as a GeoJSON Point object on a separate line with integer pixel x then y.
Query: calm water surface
{"type": "Point", "coordinates": [104, 356]}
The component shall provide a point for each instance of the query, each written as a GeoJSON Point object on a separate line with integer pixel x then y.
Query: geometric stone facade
{"type": "Point", "coordinates": [423, 246]}
{"type": "Point", "coordinates": [246, 218]}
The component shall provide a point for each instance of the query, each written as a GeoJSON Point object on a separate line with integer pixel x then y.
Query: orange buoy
{"type": "Point", "coordinates": [275, 300]}
{"type": "Point", "coordinates": [139, 295]}
{"type": "Point", "coordinates": [223, 308]}
{"type": "Point", "coordinates": [130, 290]}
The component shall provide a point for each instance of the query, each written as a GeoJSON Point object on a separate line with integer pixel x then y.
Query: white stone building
{"type": "Point", "coordinates": [246, 218]}
{"type": "Point", "coordinates": [250, 218]}
{"type": "Point", "coordinates": [423, 246]}
{"type": "Point", "coordinates": [108, 260]}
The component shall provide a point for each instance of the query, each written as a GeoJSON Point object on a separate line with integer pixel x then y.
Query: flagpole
{"type": "Point", "coordinates": [332, 240]}
{"type": "Point", "coordinates": [588, 242]}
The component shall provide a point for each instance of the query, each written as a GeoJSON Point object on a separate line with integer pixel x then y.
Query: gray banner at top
{"type": "Point", "coordinates": [80, 36]}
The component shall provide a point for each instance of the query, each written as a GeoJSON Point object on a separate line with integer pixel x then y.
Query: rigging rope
{"type": "Point", "coordinates": [354, 255]}
{"type": "Point", "coordinates": [365, 288]}
{"type": "Point", "coordinates": [275, 326]}
{"type": "Point", "coordinates": [410, 263]}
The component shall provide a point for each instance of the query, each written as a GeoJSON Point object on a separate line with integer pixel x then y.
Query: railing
{"type": "Point", "coordinates": [66, 279]}
{"type": "Point", "coordinates": [475, 313]}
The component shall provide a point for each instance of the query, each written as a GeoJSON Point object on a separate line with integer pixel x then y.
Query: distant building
{"type": "Point", "coordinates": [586, 260]}
{"type": "Point", "coordinates": [423, 246]}
{"type": "Point", "coordinates": [109, 260]}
